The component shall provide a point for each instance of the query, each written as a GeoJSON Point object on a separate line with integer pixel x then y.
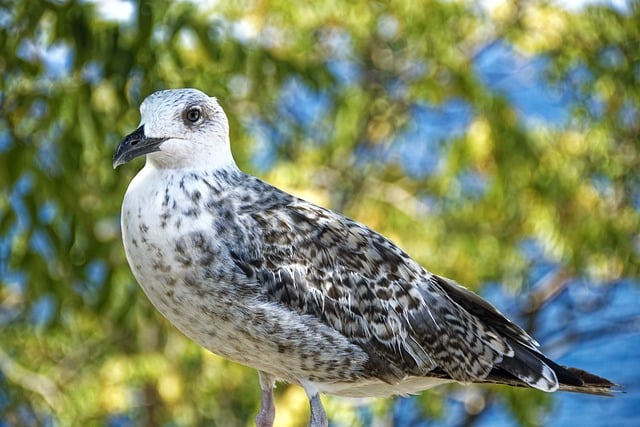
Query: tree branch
{"type": "Point", "coordinates": [31, 381]}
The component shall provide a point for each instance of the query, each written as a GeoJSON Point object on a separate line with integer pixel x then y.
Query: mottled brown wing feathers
{"type": "Point", "coordinates": [357, 282]}
{"type": "Point", "coordinates": [480, 308]}
{"type": "Point", "coordinates": [366, 288]}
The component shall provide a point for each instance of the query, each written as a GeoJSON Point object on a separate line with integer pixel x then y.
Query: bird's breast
{"type": "Point", "coordinates": [174, 252]}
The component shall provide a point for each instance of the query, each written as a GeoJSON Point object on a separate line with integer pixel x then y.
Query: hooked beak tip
{"type": "Point", "coordinates": [134, 145]}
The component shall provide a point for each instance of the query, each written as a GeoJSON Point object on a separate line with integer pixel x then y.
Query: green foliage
{"type": "Point", "coordinates": [103, 351]}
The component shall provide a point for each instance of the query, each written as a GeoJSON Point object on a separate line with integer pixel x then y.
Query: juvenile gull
{"type": "Point", "coordinates": [296, 291]}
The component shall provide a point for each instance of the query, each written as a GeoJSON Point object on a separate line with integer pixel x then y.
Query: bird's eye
{"type": "Point", "coordinates": [193, 114]}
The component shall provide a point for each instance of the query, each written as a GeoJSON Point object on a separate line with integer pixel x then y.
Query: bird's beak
{"type": "Point", "coordinates": [135, 144]}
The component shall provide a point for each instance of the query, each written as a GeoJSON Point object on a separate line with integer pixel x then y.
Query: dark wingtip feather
{"type": "Point", "coordinates": [591, 383]}
{"type": "Point", "coordinates": [568, 378]}
{"type": "Point", "coordinates": [565, 376]}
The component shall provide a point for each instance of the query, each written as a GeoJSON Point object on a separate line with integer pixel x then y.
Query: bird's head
{"type": "Point", "coordinates": [179, 129]}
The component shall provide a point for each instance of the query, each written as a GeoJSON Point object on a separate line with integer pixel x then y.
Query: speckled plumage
{"type": "Point", "coordinates": [299, 292]}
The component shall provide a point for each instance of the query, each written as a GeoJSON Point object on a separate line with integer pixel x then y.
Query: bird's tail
{"type": "Point", "coordinates": [591, 384]}
{"type": "Point", "coordinates": [526, 366]}
{"type": "Point", "coordinates": [569, 379]}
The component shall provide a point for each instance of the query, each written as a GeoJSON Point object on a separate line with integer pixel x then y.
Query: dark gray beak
{"type": "Point", "coordinates": [134, 145]}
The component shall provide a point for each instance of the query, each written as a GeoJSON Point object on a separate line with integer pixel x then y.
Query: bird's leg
{"type": "Point", "coordinates": [267, 406]}
{"type": "Point", "coordinates": [318, 417]}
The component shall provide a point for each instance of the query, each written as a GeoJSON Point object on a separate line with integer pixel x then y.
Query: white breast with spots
{"type": "Point", "coordinates": [157, 218]}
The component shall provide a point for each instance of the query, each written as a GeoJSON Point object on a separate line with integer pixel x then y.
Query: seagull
{"type": "Point", "coordinates": [303, 294]}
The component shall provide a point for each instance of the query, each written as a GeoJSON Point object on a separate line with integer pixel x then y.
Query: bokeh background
{"type": "Point", "coordinates": [497, 142]}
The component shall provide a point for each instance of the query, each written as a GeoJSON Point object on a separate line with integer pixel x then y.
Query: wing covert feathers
{"type": "Point", "coordinates": [409, 321]}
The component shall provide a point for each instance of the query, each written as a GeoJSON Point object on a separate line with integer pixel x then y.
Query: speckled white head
{"type": "Point", "coordinates": [179, 129]}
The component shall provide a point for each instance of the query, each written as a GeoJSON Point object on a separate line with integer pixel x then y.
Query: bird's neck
{"type": "Point", "coordinates": [219, 176]}
{"type": "Point", "coordinates": [197, 155]}
{"type": "Point", "coordinates": [206, 165]}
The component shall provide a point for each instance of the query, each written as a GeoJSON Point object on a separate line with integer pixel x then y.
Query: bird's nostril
{"type": "Point", "coordinates": [134, 142]}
